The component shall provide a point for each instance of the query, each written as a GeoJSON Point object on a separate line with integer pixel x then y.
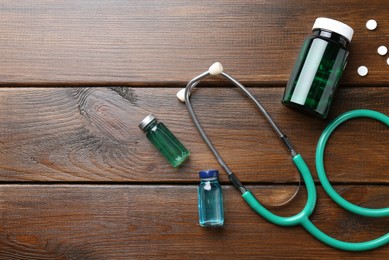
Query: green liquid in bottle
{"type": "Point", "coordinates": [161, 137]}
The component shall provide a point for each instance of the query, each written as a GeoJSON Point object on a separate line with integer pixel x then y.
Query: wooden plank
{"type": "Point", "coordinates": [154, 42]}
{"type": "Point", "coordinates": [92, 134]}
{"type": "Point", "coordinates": [161, 222]}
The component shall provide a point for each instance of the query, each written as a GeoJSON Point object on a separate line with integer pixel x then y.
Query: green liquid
{"type": "Point", "coordinates": [316, 74]}
{"type": "Point", "coordinates": [170, 147]}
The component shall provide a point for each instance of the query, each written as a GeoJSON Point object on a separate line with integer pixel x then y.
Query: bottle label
{"type": "Point", "coordinates": [207, 186]}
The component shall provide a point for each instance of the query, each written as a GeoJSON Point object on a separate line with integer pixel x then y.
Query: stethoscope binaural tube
{"type": "Point", "coordinates": [301, 218]}
{"type": "Point", "coordinates": [184, 96]}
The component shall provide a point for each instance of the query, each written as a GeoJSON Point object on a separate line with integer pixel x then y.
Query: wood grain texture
{"type": "Point", "coordinates": [158, 42]}
{"type": "Point", "coordinates": [150, 222]}
{"type": "Point", "coordinates": [79, 179]}
{"type": "Point", "coordinates": [92, 134]}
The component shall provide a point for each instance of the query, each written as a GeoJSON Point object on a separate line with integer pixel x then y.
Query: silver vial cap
{"type": "Point", "coordinates": [147, 120]}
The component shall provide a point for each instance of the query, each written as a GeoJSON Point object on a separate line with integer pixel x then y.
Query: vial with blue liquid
{"type": "Point", "coordinates": [210, 199]}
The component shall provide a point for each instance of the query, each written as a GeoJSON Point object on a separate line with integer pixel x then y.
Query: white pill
{"type": "Point", "coordinates": [181, 95]}
{"type": "Point", "coordinates": [387, 61]}
{"type": "Point", "coordinates": [382, 50]}
{"type": "Point", "coordinates": [371, 24]}
{"type": "Point", "coordinates": [362, 71]}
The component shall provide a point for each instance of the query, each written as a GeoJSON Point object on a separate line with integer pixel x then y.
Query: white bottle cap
{"type": "Point", "coordinates": [334, 26]}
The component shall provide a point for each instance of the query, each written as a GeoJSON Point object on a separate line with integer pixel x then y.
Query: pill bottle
{"type": "Point", "coordinates": [210, 199]}
{"type": "Point", "coordinates": [319, 67]}
{"type": "Point", "coordinates": [161, 137]}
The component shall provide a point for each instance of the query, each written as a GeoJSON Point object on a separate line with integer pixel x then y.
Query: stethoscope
{"type": "Point", "coordinates": [301, 218]}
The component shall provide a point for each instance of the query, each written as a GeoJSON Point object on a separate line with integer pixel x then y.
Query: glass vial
{"type": "Point", "coordinates": [161, 137]}
{"type": "Point", "coordinates": [319, 67]}
{"type": "Point", "coordinates": [210, 199]}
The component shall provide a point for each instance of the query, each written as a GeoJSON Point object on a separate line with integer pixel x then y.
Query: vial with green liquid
{"type": "Point", "coordinates": [161, 137]}
{"type": "Point", "coordinates": [319, 67]}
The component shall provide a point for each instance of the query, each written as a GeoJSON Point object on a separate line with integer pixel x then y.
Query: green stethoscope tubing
{"type": "Point", "coordinates": [368, 212]}
{"type": "Point", "coordinates": [301, 218]}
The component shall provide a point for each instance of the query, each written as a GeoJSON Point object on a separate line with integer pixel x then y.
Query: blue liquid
{"type": "Point", "coordinates": [210, 203]}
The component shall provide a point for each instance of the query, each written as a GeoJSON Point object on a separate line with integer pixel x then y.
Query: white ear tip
{"type": "Point", "coordinates": [215, 68]}
{"type": "Point", "coordinates": [181, 95]}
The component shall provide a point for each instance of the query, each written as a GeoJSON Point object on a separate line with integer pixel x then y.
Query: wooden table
{"type": "Point", "coordinates": [78, 178]}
